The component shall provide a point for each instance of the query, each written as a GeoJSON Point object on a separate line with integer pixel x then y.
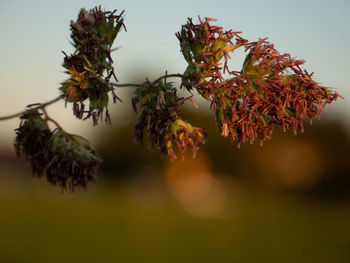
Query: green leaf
{"type": "Point", "coordinates": [220, 115]}
{"type": "Point", "coordinates": [191, 70]}
{"type": "Point", "coordinates": [247, 62]}
{"type": "Point", "coordinates": [186, 52]}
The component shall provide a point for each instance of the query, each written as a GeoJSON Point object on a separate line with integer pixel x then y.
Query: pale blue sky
{"type": "Point", "coordinates": [33, 33]}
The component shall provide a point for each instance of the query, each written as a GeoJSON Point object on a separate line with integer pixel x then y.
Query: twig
{"type": "Point", "coordinates": [126, 85]}
{"type": "Point", "coordinates": [178, 75]}
{"type": "Point", "coordinates": [40, 106]}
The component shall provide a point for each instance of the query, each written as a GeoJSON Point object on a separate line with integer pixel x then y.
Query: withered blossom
{"type": "Point", "coordinates": [204, 46]}
{"type": "Point", "coordinates": [183, 135]}
{"type": "Point", "coordinates": [159, 106]}
{"type": "Point", "coordinates": [64, 159]}
{"type": "Point", "coordinates": [90, 67]}
{"type": "Point", "coordinates": [270, 91]}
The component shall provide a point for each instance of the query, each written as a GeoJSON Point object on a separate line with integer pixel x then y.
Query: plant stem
{"type": "Point", "coordinates": [178, 75]}
{"type": "Point", "coordinates": [125, 85]}
{"type": "Point", "coordinates": [47, 118]}
{"type": "Point", "coordinates": [40, 106]}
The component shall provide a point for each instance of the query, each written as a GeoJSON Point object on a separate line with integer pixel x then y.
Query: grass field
{"type": "Point", "coordinates": [110, 224]}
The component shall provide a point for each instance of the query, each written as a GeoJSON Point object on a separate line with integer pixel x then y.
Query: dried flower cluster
{"type": "Point", "coordinates": [90, 66]}
{"type": "Point", "coordinates": [203, 47]}
{"type": "Point", "coordinates": [64, 159]}
{"type": "Point", "coordinates": [159, 107]}
{"type": "Point", "coordinates": [270, 91]}
{"type": "Point", "coordinates": [183, 135]}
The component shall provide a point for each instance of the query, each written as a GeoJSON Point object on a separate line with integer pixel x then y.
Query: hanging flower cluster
{"type": "Point", "coordinates": [203, 47]}
{"type": "Point", "coordinates": [90, 66]}
{"type": "Point", "coordinates": [159, 106]}
{"type": "Point", "coordinates": [64, 159]}
{"type": "Point", "coordinates": [183, 135]}
{"type": "Point", "coordinates": [270, 91]}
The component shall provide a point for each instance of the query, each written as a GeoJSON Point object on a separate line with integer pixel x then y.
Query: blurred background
{"type": "Point", "coordinates": [288, 201]}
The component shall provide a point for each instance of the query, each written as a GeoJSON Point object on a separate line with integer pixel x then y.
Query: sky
{"type": "Point", "coordinates": [33, 34]}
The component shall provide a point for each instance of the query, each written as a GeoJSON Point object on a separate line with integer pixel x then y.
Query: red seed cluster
{"type": "Point", "coordinates": [203, 46]}
{"type": "Point", "coordinates": [270, 90]}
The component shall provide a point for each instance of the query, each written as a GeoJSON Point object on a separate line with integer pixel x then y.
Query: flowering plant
{"type": "Point", "coordinates": [159, 117]}
{"type": "Point", "coordinates": [90, 67]}
{"type": "Point", "coordinates": [270, 90]}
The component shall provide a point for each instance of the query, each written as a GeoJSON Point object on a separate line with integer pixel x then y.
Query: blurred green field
{"type": "Point", "coordinates": [110, 225]}
{"type": "Point", "coordinates": [285, 202]}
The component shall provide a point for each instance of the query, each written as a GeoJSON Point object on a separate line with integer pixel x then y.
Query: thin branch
{"type": "Point", "coordinates": [178, 75]}
{"type": "Point", "coordinates": [126, 85]}
{"type": "Point", "coordinates": [47, 118]}
{"type": "Point", "coordinates": [56, 123]}
{"type": "Point", "coordinates": [40, 106]}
